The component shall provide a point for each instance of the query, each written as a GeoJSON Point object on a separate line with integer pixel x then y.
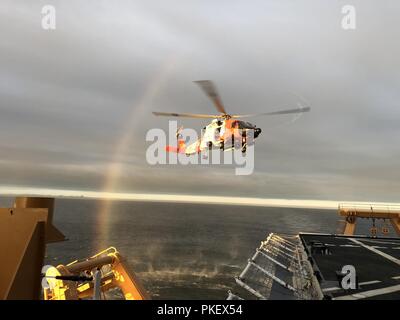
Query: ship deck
{"type": "Point", "coordinates": [376, 262]}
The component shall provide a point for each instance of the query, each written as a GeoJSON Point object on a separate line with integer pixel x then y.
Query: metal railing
{"type": "Point", "coordinates": [280, 260]}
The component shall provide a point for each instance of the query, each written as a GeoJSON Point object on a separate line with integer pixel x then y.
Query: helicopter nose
{"type": "Point", "coordinates": [257, 132]}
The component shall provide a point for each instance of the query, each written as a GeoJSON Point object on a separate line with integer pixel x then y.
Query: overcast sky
{"type": "Point", "coordinates": [76, 102]}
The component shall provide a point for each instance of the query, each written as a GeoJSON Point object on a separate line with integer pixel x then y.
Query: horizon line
{"type": "Point", "coordinates": [181, 198]}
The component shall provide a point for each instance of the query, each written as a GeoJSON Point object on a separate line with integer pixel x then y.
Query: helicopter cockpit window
{"type": "Point", "coordinates": [245, 125]}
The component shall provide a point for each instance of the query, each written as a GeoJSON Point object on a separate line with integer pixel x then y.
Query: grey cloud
{"type": "Point", "coordinates": [67, 97]}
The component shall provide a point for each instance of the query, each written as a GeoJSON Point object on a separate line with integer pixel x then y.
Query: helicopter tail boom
{"type": "Point", "coordinates": [180, 148]}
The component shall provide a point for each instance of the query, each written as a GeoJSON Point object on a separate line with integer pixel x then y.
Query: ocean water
{"type": "Point", "coordinates": [179, 251]}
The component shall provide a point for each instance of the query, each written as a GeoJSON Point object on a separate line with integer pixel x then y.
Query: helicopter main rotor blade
{"type": "Point", "coordinates": [187, 115]}
{"type": "Point", "coordinates": [298, 110]}
{"type": "Point", "coordinates": [211, 91]}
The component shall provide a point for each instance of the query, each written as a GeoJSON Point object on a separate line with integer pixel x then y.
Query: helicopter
{"type": "Point", "coordinates": [225, 131]}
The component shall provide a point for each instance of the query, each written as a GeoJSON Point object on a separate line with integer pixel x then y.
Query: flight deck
{"type": "Point", "coordinates": [375, 260]}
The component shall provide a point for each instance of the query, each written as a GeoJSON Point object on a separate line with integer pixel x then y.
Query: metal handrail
{"type": "Point", "coordinates": [390, 208]}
